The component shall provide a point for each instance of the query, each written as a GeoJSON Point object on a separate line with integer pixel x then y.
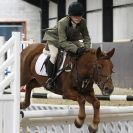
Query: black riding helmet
{"type": "Point", "coordinates": [75, 9]}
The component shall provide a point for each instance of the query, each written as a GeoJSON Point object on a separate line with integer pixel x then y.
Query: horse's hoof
{"type": "Point", "coordinates": [77, 124]}
{"type": "Point", "coordinates": [92, 130]}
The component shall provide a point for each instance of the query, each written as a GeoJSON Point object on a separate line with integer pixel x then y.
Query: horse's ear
{"type": "Point", "coordinates": [99, 53]}
{"type": "Point", "coordinates": [110, 53]}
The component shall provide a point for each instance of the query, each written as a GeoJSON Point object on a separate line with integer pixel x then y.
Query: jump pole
{"type": "Point", "coordinates": [100, 97]}
{"type": "Point", "coordinates": [73, 111]}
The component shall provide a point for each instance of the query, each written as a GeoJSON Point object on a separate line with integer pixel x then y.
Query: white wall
{"type": "Point", "coordinates": [53, 13]}
{"type": "Point", "coordinates": [94, 20]}
{"type": "Point", "coordinates": [123, 20]}
{"type": "Point", "coordinates": [94, 4]}
{"type": "Point", "coordinates": [121, 2]}
{"type": "Point", "coordinates": [18, 10]}
{"type": "Point", "coordinates": [94, 23]}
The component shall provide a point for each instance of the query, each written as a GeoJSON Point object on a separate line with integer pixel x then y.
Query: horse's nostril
{"type": "Point", "coordinates": [111, 90]}
{"type": "Point", "coordinates": [106, 88]}
{"type": "Point", "coordinates": [107, 91]}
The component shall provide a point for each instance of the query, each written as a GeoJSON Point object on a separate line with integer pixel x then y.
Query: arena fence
{"type": "Point", "coordinates": [60, 118]}
{"type": "Point", "coordinates": [9, 103]}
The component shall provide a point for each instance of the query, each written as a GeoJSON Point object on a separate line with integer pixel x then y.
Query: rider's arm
{"type": "Point", "coordinates": [85, 34]}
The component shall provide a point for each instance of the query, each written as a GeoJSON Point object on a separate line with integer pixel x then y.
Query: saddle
{"type": "Point", "coordinates": [59, 65]}
{"type": "Point", "coordinates": [58, 69]}
{"type": "Point", "coordinates": [42, 63]}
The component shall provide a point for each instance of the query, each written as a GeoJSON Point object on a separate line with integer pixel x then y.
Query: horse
{"type": "Point", "coordinates": [94, 66]}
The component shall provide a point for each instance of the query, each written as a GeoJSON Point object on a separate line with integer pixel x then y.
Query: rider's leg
{"type": "Point", "coordinates": [51, 63]}
{"type": "Point", "coordinates": [53, 52]}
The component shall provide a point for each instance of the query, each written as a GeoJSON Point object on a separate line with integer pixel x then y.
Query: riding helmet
{"type": "Point", "coordinates": [75, 9]}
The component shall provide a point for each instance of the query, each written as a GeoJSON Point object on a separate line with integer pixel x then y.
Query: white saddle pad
{"type": "Point", "coordinates": [39, 65]}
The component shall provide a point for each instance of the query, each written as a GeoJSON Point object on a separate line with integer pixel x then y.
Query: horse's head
{"type": "Point", "coordinates": [102, 71]}
{"type": "Point", "coordinates": [93, 66]}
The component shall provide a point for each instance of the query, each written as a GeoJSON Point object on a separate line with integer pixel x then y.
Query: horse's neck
{"type": "Point", "coordinates": [88, 58]}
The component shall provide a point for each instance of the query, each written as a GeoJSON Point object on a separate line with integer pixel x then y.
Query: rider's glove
{"type": "Point", "coordinates": [80, 51]}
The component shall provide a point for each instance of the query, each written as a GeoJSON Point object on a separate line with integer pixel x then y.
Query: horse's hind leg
{"type": "Point", "coordinates": [81, 115]}
{"type": "Point", "coordinates": [29, 86]}
{"type": "Point", "coordinates": [96, 106]}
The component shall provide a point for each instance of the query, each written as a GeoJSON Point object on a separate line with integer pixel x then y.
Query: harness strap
{"type": "Point", "coordinates": [81, 84]}
{"type": "Point", "coordinates": [60, 72]}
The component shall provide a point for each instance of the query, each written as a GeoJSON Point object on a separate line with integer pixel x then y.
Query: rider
{"type": "Point", "coordinates": [66, 34]}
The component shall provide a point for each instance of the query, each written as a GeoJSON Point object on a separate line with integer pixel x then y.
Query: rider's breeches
{"type": "Point", "coordinates": [53, 52]}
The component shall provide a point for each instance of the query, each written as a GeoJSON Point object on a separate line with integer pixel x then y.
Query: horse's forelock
{"type": "Point", "coordinates": [91, 51]}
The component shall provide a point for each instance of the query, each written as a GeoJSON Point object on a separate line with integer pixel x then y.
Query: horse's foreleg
{"type": "Point", "coordinates": [81, 115]}
{"type": "Point", "coordinates": [96, 106]}
{"type": "Point", "coordinates": [31, 84]}
{"type": "Point", "coordinates": [74, 95]}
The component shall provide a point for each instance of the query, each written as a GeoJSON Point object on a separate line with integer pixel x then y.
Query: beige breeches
{"type": "Point", "coordinates": [53, 52]}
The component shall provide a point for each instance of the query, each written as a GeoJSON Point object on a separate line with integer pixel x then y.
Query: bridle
{"type": "Point", "coordinates": [95, 73]}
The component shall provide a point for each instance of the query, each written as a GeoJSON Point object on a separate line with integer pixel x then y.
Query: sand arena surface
{"type": "Point", "coordinates": [117, 91]}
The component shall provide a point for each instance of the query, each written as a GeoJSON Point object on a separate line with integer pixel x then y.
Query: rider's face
{"type": "Point", "coordinates": [76, 19]}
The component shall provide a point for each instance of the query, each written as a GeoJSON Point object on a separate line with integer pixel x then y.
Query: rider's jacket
{"type": "Point", "coordinates": [63, 34]}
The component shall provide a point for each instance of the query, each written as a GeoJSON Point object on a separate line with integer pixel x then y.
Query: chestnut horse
{"type": "Point", "coordinates": [93, 66]}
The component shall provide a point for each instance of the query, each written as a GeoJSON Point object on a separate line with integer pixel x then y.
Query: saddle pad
{"type": "Point", "coordinates": [39, 65]}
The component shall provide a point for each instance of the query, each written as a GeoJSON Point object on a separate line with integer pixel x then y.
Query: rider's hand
{"type": "Point", "coordinates": [80, 51]}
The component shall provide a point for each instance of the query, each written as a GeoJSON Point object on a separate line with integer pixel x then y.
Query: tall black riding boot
{"type": "Point", "coordinates": [51, 74]}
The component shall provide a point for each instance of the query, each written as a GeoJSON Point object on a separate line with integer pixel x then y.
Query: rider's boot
{"type": "Point", "coordinates": [51, 73]}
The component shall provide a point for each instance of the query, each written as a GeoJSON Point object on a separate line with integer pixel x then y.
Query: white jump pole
{"type": "Point", "coordinates": [74, 111]}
